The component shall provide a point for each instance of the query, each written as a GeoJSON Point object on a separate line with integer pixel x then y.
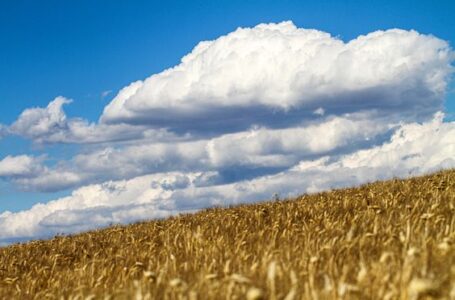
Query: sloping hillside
{"type": "Point", "coordinates": [386, 240]}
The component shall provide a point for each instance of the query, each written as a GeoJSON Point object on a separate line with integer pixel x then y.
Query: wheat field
{"type": "Point", "coordinates": [385, 240]}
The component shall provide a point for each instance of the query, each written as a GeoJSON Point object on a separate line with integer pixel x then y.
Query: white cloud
{"type": "Point", "coordinates": [413, 149]}
{"type": "Point", "coordinates": [51, 180]}
{"type": "Point", "coordinates": [37, 122]}
{"type": "Point", "coordinates": [30, 173]}
{"type": "Point", "coordinates": [51, 125]}
{"type": "Point", "coordinates": [319, 112]}
{"type": "Point", "coordinates": [276, 73]}
{"type": "Point", "coordinates": [20, 166]}
{"type": "Point", "coordinates": [284, 147]}
{"type": "Point", "coordinates": [100, 204]}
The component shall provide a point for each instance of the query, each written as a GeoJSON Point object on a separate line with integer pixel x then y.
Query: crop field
{"type": "Point", "coordinates": [385, 240]}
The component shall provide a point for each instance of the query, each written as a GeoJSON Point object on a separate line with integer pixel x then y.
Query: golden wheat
{"type": "Point", "coordinates": [386, 240]}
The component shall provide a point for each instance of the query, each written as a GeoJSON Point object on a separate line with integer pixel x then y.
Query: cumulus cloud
{"type": "Point", "coordinates": [51, 125]}
{"type": "Point", "coordinates": [20, 166]}
{"type": "Point", "coordinates": [413, 149]}
{"type": "Point", "coordinates": [275, 74]}
{"type": "Point", "coordinates": [36, 122]}
{"type": "Point", "coordinates": [30, 173]}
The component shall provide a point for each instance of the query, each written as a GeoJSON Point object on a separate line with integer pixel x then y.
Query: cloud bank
{"type": "Point", "coordinates": [257, 149]}
{"type": "Point", "coordinates": [413, 149]}
{"type": "Point", "coordinates": [259, 111]}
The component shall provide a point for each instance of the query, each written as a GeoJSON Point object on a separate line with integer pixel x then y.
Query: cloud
{"type": "Point", "coordinates": [319, 112]}
{"type": "Point", "coordinates": [38, 122]}
{"type": "Point", "coordinates": [30, 173]}
{"type": "Point", "coordinates": [50, 180]}
{"type": "Point", "coordinates": [101, 205]}
{"type": "Point", "coordinates": [51, 125]}
{"type": "Point", "coordinates": [284, 147]}
{"type": "Point", "coordinates": [256, 151]}
{"type": "Point", "coordinates": [106, 93]}
{"type": "Point", "coordinates": [277, 74]}
{"type": "Point", "coordinates": [413, 149]}
{"type": "Point", "coordinates": [20, 166]}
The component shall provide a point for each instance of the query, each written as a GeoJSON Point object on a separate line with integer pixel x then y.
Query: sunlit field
{"type": "Point", "coordinates": [385, 240]}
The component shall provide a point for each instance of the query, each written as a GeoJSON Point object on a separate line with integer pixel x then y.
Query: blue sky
{"type": "Point", "coordinates": [89, 50]}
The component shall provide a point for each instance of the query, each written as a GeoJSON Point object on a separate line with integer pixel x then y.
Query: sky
{"type": "Point", "coordinates": [119, 111]}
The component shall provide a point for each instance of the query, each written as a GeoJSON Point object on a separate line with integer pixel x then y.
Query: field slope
{"type": "Point", "coordinates": [386, 240]}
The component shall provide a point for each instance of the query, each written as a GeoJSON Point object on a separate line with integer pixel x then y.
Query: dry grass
{"type": "Point", "coordinates": [387, 240]}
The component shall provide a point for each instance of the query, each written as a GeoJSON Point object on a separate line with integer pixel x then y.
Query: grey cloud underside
{"type": "Point", "coordinates": [263, 110]}
{"type": "Point", "coordinates": [416, 103]}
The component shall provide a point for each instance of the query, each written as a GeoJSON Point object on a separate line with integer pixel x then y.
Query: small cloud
{"type": "Point", "coordinates": [20, 166]}
{"type": "Point", "coordinates": [38, 122]}
{"type": "Point", "coordinates": [319, 112]}
{"type": "Point", "coordinates": [104, 94]}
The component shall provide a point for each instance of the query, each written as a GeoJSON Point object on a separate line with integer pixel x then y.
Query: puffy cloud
{"type": "Point", "coordinates": [38, 122]}
{"type": "Point", "coordinates": [30, 173]}
{"type": "Point", "coordinates": [319, 112]}
{"type": "Point", "coordinates": [51, 125]}
{"type": "Point", "coordinates": [277, 74]}
{"type": "Point", "coordinates": [20, 166]}
{"type": "Point", "coordinates": [51, 180]}
{"type": "Point", "coordinates": [412, 150]}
